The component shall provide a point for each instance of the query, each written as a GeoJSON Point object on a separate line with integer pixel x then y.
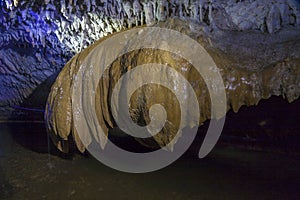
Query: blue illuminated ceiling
{"type": "Point", "coordinates": [38, 37]}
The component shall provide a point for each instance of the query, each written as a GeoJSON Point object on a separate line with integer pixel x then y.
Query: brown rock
{"type": "Point", "coordinates": [248, 78]}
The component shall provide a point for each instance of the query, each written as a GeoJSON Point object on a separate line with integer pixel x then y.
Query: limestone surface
{"type": "Point", "coordinates": [37, 37]}
{"type": "Point", "coordinates": [253, 66]}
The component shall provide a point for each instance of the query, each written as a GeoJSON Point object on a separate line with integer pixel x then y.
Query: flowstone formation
{"type": "Point", "coordinates": [38, 37]}
{"type": "Point", "coordinates": [253, 66]}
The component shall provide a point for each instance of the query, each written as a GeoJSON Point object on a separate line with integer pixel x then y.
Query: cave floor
{"type": "Point", "coordinates": [227, 173]}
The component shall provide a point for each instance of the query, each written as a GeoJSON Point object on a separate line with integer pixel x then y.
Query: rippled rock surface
{"type": "Point", "coordinates": [38, 37]}
{"type": "Point", "coordinates": [253, 66]}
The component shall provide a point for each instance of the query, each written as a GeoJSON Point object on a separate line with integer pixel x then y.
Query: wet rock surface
{"type": "Point", "coordinates": [227, 172]}
{"type": "Point", "coordinates": [248, 77]}
{"type": "Point", "coordinates": [38, 37]}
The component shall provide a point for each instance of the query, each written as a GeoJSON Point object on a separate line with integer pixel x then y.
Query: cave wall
{"type": "Point", "coordinates": [38, 37]}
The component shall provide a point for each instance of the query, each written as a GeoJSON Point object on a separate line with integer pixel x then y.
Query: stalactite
{"type": "Point", "coordinates": [137, 10]}
{"type": "Point", "coordinates": [50, 25]}
{"type": "Point", "coordinates": [148, 9]}
{"type": "Point", "coordinates": [243, 85]}
{"type": "Point", "coordinates": [127, 8]}
{"type": "Point", "coordinates": [210, 6]}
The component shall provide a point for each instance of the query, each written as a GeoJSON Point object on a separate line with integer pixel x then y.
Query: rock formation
{"type": "Point", "coordinates": [255, 43]}
{"type": "Point", "coordinates": [253, 66]}
{"type": "Point", "coordinates": [38, 37]}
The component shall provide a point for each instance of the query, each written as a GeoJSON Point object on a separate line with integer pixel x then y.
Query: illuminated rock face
{"type": "Point", "coordinates": [254, 42]}
{"type": "Point", "coordinates": [38, 37]}
{"type": "Point", "coordinates": [253, 66]}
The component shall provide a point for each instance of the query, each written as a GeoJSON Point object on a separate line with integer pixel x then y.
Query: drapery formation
{"type": "Point", "coordinates": [253, 67]}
